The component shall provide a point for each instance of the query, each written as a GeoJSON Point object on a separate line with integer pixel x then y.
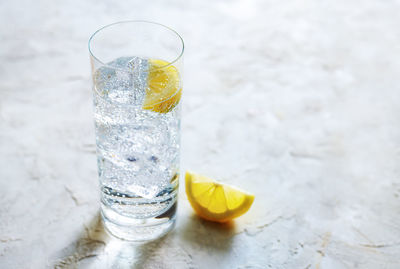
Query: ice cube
{"type": "Point", "coordinates": [139, 67]}
{"type": "Point", "coordinates": [121, 62]}
{"type": "Point", "coordinates": [123, 80]}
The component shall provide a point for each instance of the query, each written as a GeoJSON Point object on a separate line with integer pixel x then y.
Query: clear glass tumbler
{"type": "Point", "coordinates": [137, 87]}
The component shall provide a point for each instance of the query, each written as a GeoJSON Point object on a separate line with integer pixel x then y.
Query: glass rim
{"type": "Point", "coordinates": [134, 21]}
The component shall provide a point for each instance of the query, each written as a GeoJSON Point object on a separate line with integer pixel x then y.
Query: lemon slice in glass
{"type": "Point", "coordinates": [164, 90]}
{"type": "Point", "coordinates": [216, 201]}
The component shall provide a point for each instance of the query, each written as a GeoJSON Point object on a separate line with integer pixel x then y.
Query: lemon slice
{"type": "Point", "coordinates": [163, 92]}
{"type": "Point", "coordinates": [215, 201]}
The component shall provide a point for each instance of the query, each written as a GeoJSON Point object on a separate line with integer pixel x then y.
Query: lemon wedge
{"type": "Point", "coordinates": [164, 88]}
{"type": "Point", "coordinates": [216, 201]}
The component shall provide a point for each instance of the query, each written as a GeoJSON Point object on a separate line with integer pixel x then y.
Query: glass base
{"type": "Point", "coordinates": [138, 230]}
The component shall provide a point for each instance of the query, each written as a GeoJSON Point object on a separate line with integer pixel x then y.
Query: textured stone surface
{"type": "Point", "coordinates": [295, 101]}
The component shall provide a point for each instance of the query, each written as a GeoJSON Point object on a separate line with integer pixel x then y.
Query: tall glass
{"type": "Point", "coordinates": [137, 87]}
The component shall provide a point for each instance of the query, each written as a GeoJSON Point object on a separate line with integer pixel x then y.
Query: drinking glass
{"type": "Point", "coordinates": [137, 87]}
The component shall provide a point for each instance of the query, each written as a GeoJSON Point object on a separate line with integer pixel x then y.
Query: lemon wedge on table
{"type": "Point", "coordinates": [216, 201]}
{"type": "Point", "coordinates": [164, 87]}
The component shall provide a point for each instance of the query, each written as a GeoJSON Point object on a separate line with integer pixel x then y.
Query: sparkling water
{"type": "Point", "coordinates": [137, 149]}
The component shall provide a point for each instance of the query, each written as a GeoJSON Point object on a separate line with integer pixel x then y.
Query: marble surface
{"type": "Point", "coordinates": [295, 101]}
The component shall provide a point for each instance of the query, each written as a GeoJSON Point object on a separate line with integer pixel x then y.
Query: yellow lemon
{"type": "Point", "coordinates": [164, 88]}
{"type": "Point", "coordinates": [216, 201]}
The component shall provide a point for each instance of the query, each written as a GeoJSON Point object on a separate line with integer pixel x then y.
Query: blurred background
{"type": "Point", "coordinates": [294, 101]}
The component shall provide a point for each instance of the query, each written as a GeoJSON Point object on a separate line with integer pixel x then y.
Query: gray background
{"type": "Point", "coordinates": [295, 101]}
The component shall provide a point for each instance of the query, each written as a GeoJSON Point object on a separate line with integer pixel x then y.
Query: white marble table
{"type": "Point", "coordinates": [295, 101]}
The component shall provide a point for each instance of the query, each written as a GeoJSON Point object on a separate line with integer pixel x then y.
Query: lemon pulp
{"type": "Point", "coordinates": [164, 87]}
{"type": "Point", "coordinates": [216, 201]}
